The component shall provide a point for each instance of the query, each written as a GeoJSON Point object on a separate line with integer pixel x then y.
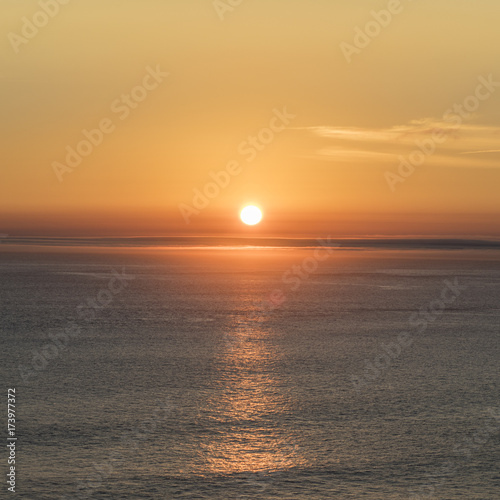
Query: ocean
{"type": "Point", "coordinates": [252, 373]}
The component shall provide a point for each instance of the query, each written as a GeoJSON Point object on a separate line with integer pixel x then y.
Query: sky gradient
{"type": "Point", "coordinates": [328, 129]}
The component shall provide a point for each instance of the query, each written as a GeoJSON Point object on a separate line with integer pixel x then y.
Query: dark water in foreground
{"type": "Point", "coordinates": [175, 381]}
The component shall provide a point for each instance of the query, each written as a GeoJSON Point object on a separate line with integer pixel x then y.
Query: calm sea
{"type": "Point", "coordinates": [252, 373]}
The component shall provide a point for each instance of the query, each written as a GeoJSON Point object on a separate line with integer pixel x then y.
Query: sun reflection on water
{"type": "Point", "coordinates": [248, 403]}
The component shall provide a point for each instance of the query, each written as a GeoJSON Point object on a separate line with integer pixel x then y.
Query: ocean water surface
{"type": "Point", "coordinates": [256, 373]}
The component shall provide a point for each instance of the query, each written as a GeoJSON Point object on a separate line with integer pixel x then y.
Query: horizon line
{"type": "Point", "coordinates": [246, 242]}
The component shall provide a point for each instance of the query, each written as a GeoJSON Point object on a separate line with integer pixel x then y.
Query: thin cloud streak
{"type": "Point", "coordinates": [388, 143]}
{"type": "Point", "coordinates": [478, 152]}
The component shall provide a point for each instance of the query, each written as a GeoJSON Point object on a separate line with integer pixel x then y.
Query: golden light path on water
{"type": "Point", "coordinates": [251, 398]}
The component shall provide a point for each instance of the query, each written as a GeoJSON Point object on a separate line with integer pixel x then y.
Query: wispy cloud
{"type": "Point", "coordinates": [397, 133]}
{"type": "Point", "coordinates": [478, 152]}
{"type": "Point", "coordinates": [386, 144]}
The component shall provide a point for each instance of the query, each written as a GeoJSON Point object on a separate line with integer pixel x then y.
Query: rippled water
{"type": "Point", "coordinates": [183, 382]}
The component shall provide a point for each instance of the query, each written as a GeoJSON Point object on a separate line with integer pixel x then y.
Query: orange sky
{"type": "Point", "coordinates": [329, 130]}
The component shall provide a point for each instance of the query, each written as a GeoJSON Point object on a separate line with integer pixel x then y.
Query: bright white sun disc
{"type": "Point", "coordinates": [251, 215]}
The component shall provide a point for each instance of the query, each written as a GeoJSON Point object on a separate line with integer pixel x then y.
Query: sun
{"type": "Point", "coordinates": [251, 215]}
